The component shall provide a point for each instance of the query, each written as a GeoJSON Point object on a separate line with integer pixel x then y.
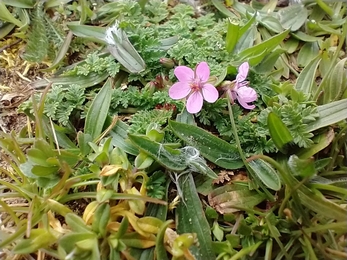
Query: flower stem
{"type": "Point", "coordinates": [237, 140]}
{"type": "Point", "coordinates": [243, 157]}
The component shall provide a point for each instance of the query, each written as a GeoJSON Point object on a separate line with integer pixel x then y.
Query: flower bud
{"type": "Point", "coordinates": [150, 87]}
{"type": "Point", "coordinates": [167, 63]}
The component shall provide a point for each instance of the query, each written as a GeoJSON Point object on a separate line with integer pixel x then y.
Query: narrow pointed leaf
{"type": "Point", "coordinates": [329, 114]}
{"type": "Point", "coordinates": [266, 174]}
{"type": "Point", "coordinates": [211, 147]}
{"type": "Point", "coordinates": [279, 132]}
{"type": "Point", "coordinates": [98, 110]}
{"type": "Point", "coordinates": [190, 218]}
{"type": "Point", "coordinates": [307, 77]}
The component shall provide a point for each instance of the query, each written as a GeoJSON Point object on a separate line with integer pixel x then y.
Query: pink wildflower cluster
{"type": "Point", "coordinates": [194, 86]}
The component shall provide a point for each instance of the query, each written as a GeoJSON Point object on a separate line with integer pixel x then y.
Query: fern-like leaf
{"type": "Point", "coordinates": [37, 44]}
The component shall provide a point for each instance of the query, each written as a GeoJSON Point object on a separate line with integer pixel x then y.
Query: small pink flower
{"type": "Point", "coordinates": [238, 89]}
{"type": "Point", "coordinates": [193, 84]}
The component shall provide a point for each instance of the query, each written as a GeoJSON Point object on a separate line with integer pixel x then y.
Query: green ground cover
{"type": "Point", "coordinates": [167, 130]}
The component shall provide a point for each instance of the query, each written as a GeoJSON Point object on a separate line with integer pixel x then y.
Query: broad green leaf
{"type": "Point", "coordinates": [211, 147]}
{"type": "Point", "coordinates": [6, 29]}
{"type": "Point", "coordinates": [324, 65]}
{"type": "Point", "coordinates": [190, 218]}
{"type": "Point", "coordinates": [293, 16]}
{"type": "Point", "coordinates": [170, 158]}
{"type": "Point", "coordinates": [143, 161]}
{"type": "Point", "coordinates": [84, 81]}
{"type": "Point", "coordinates": [5, 15]}
{"type": "Point", "coordinates": [120, 138]}
{"type": "Point", "coordinates": [269, 44]}
{"type": "Point", "coordinates": [305, 37]}
{"type": "Point", "coordinates": [20, 3]}
{"type": "Point", "coordinates": [337, 83]}
{"type": "Point", "coordinates": [307, 77]}
{"type": "Point", "coordinates": [307, 53]}
{"type": "Point", "coordinates": [266, 174]}
{"type": "Point", "coordinates": [83, 142]}
{"type": "Point", "coordinates": [247, 39]}
{"type": "Point", "coordinates": [43, 171]}
{"type": "Point", "coordinates": [268, 62]}
{"type": "Point", "coordinates": [61, 53]}
{"type": "Point", "coordinates": [279, 133]}
{"type": "Point", "coordinates": [221, 8]}
{"type": "Point", "coordinates": [68, 241]}
{"type": "Point", "coordinates": [39, 238]}
{"type": "Point", "coordinates": [232, 35]}
{"type": "Point", "coordinates": [167, 43]}
{"type": "Point", "coordinates": [302, 167]}
{"type": "Point", "coordinates": [321, 205]}
{"type": "Point", "coordinates": [98, 110]}
{"type": "Point", "coordinates": [270, 22]}
{"type": "Point", "coordinates": [329, 114]}
{"type": "Point", "coordinates": [320, 143]}
{"type": "Point", "coordinates": [290, 45]}
{"type": "Point", "coordinates": [231, 198]}
{"type": "Point", "coordinates": [247, 26]}
{"type": "Point", "coordinates": [136, 240]}
{"type": "Point", "coordinates": [93, 32]}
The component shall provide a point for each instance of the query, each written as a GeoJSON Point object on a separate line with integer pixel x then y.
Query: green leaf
{"type": "Point", "coordinates": [98, 110]}
{"type": "Point", "coordinates": [293, 16]}
{"type": "Point", "coordinates": [170, 158]}
{"type": "Point", "coordinates": [211, 147]}
{"type": "Point", "coordinates": [268, 62]}
{"type": "Point", "coordinates": [5, 15]}
{"type": "Point", "coordinates": [221, 8]}
{"type": "Point", "coordinates": [307, 53]}
{"type": "Point", "coordinates": [190, 218]}
{"type": "Point", "coordinates": [39, 238]}
{"type": "Point", "coordinates": [20, 3]}
{"type": "Point", "coordinates": [305, 37]}
{"type": "Point", "coordinates": [120, 138]}
{"type": "Point", "coordinates": [320, 142]}
{"type": "Point", "coordinates": [232, 36]}
{"type": "Point", "coordinates": [83, 142]}
{"type": "Point", "coordinates": [301, 167]}
{"type": "Point", "coordinates": [84, 81]}
{"type": "Point", "coordinates": [269, 44]}
{"type": "Point", "coordinates": [94, 33]}
{"type": "Point", "coordinates": [160, 246]}
{"type": "Point", "coordinates": [279, 132]}
{"type": "Point", "coordinates": [266, 174]}
{"type": "Point", "coordinates": [337, 83]}
{"type": "Point", "coordinates": [307, 77]}
{"type": "Point", "coordinates": [61, 53]}
{"type": "Point", "coordinates": [43, 171]}
{"type": "Point", "coordinates": [329, 114]}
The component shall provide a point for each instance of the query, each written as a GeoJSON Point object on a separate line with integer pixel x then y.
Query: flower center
{"type": "Point", "coordinates": [195, 86]}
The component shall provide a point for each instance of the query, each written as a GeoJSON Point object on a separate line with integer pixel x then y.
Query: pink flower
{"type": "Point", "coordinates": [193, 84]}
{"type": "Point", "coordinates": [238, 89]}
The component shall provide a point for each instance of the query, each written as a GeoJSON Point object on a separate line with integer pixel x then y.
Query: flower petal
{"type": "Point", "coordinates": [184, 74]}
{"type": "Point", "coordinates": [246, 95]}
{"type": "Point", "coordinates": [245, 105]}
{"type": "Point", "coordinates": [243, 72]}
{"type": "Point", "coordinates": [179, 90]}
{"type": "Point", "coordinates": [210, 93]}
{"type": "Point", "coordinates": [202, 71]}
{"type": "Point", "coordinates": [194, 102]}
